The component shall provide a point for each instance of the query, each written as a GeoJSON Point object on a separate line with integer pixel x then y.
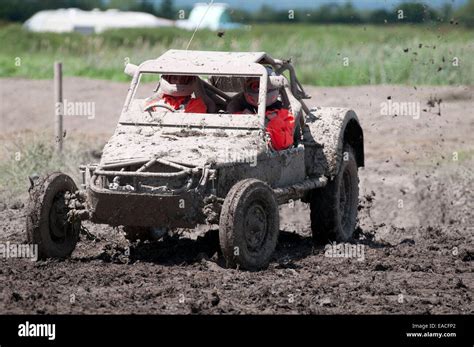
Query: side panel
{"type": "Point", "coordinates": [324, 135]}
{"type": "Point", "coordinates": [278, 169]}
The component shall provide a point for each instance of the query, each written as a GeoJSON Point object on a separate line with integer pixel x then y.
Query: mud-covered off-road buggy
{"type": "Point", "coordinates": [162, 170]}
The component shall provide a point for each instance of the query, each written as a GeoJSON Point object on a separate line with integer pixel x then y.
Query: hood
{"type": "Point", "coordinates": [188, 138]}
{"type": "Point", "coordinates": [191, 147]}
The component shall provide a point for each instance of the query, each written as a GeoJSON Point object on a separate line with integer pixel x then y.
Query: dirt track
{"type": "Point", "coordinates": [416, 224]}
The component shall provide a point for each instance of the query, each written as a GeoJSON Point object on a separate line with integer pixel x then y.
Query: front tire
{"type": "Point", "coordinates": [249, 225]}
{"type": "Point", "coordinates": [334, 207]}
{"type": "Point", "coordinates": [47, 223]}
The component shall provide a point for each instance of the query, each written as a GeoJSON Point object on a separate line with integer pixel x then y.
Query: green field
{"type": "Point", "coordinates": [32, 153]}
{"type": "Point", "coordinates": [402, 54]}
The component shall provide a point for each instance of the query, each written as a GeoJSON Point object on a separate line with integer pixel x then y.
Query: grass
{"type": "Point", "coordinates": [33, 153]}
{"type": "Point", "coordinates": [375, 54]}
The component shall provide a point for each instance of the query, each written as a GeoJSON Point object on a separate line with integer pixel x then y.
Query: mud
{"type": "Point", "coordinates": [415, 231]}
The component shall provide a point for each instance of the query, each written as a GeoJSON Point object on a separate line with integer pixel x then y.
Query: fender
{"type": "Point", "coordinates": [326, 131]}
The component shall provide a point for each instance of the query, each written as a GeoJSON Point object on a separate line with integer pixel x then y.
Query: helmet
{"type": "Point", "coordinates": [252, 88]}
{"type": "Point", "coordinates": [177, 85]}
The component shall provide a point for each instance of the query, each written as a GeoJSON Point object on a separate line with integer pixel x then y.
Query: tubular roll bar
{"type": "Point", "coordinates": [100, 170]}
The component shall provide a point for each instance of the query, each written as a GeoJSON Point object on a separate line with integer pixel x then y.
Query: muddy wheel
{"type": "Point", "coordinates": [249, 225]}
{"type": "Point", "coordinates": [47, 224]}
{"type": "Point", "coordinates": [334, 207]}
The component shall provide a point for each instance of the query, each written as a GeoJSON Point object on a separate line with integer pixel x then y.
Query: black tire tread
{"type": "Point", "coordinates": [37, 215]}
{"type": "Point", "coordinates": [232, 214]}
{"type": "Point", "coordinates": [324, 205]}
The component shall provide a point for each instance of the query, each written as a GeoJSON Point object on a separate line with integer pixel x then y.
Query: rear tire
{"type": "Point", "coordinates": [47, 224]}
{"type": "Point", "coordinates": [249, 225]}
{"type": "Point", "coordinates": [334, 207]}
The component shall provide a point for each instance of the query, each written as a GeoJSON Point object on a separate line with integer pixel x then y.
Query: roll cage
{"type": "Point", "coordinates": [224, 65]}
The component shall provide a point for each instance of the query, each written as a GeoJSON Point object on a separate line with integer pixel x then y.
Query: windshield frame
{"type": "Point", "coordinates": [262, 98]}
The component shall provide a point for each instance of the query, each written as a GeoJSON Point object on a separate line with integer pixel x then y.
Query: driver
{"type": "Point", "coordinates": [280, 121]}
{"type": "Point", "coordinates": [176, 91]}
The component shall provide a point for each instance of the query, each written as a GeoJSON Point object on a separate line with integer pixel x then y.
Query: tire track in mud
{"type": "Point", "coordinates": [414, 269]}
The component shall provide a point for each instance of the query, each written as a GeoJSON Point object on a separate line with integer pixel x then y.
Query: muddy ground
{"type": "Point", "coordinates": [415, 224]}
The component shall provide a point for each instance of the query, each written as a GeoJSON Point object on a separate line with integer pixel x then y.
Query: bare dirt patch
{"type": "Point", "coordinates": [415, 224]}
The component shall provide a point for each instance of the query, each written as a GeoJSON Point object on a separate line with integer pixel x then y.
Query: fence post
{"type": "Point", "coordinates": [58, 105]}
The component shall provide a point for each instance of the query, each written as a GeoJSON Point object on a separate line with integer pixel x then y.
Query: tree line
{"type": "Point", "coordinates": [346, 13]}
{"type": "Point", "coordinates": [342, 13]}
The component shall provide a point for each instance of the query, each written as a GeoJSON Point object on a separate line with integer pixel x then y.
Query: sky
{"type": "Point", "coordinates": [295, 4]}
